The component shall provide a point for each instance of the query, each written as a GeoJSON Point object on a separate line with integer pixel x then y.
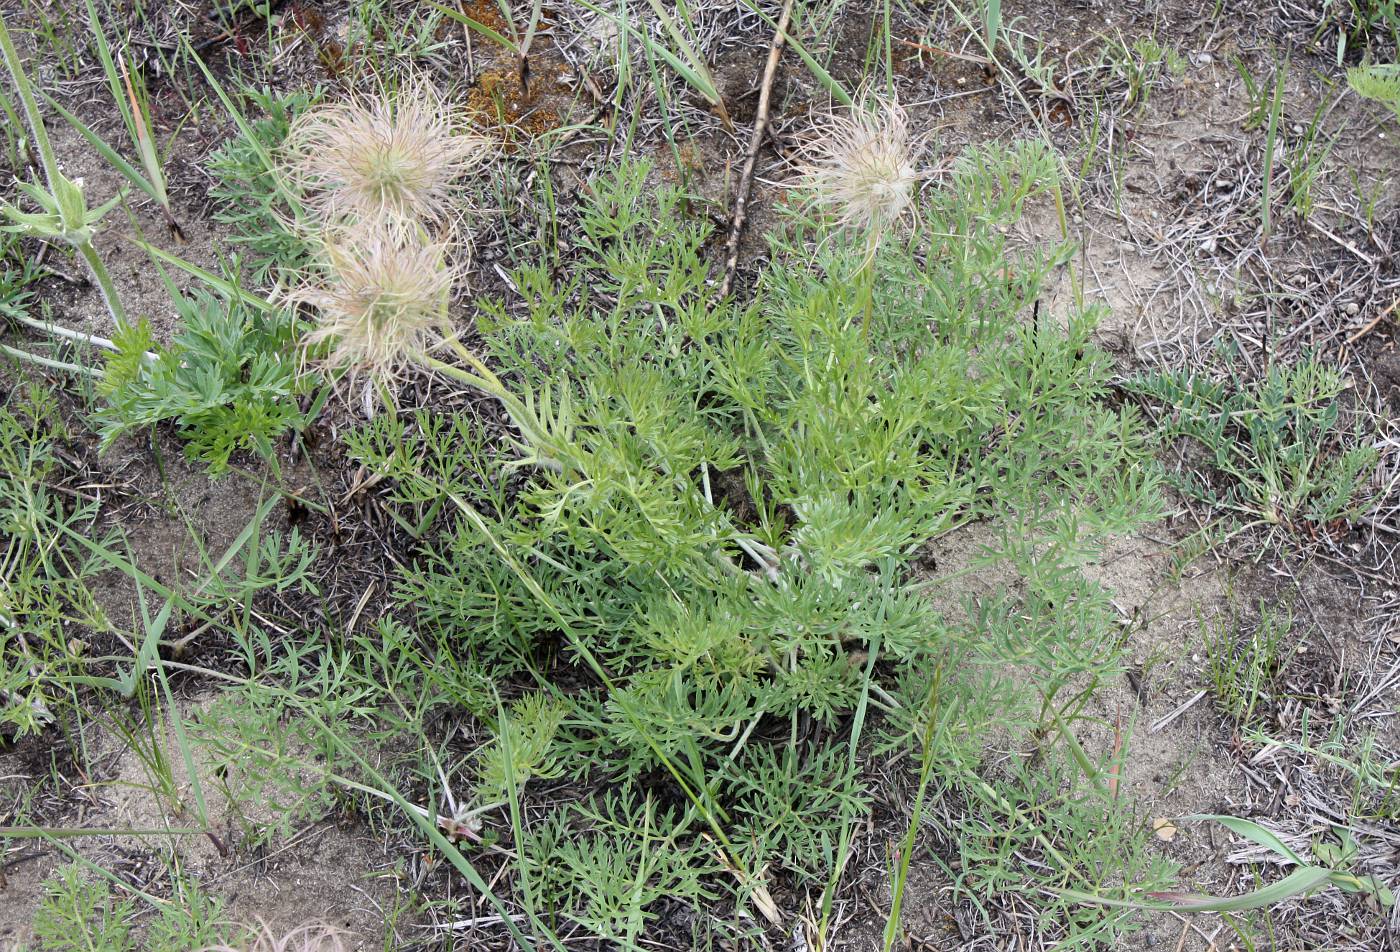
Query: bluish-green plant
{"type": "Point", "coordinates": [229, 381]}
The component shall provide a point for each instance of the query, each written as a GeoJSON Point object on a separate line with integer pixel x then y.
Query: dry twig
{"type": "Point", "coordinates": [760, 126]}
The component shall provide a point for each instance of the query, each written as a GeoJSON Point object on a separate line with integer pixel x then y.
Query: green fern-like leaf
{"type": "Point", "coordinates": [1378, 81]}
{"type": "Point", "coordinates": [228, 381]}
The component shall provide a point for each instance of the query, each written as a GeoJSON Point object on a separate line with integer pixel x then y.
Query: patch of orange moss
{"type": "Point", "coordinates": [488, 14]}
{"type": "Point", "coordinates": [498, 99]}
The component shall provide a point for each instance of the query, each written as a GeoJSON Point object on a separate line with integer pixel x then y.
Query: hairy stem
{"type": "Point", "coordinates": [27, 357]}
{"type": "Point", "coordinates": [104, 282]}
{"type": "Point", "coordinates": [31, 108]}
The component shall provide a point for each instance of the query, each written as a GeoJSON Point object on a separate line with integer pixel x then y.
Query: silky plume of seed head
{"type": "Point", "coordinates": [310, 937]}
{"type": "Point", "coordinates": [859, 167]}
{"type": "Point", "coordinates": [380, 297]}
{"type": "Point", "coordinates": [398, 157]}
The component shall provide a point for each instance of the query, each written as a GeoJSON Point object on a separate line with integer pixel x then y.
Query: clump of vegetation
{"type": "Point", "coordinates": [1243, 664]}
{"type": "Point", "coordinates": [725, 502]}
{"type": "Point", "coordinates": [79, 913]}
{"type": "Point", "coordinates": [1378, 81]}
{"type": "Point", "coordinates": [249, 195]}
{"type": "Point", "coordinates": [44, 574]}
{"type": "Point", "coordinates": [656, 625]}
{"type": "Point", "coordinates": [229, 381]}
{"type": "Point", "coordinates": [1280, 455]}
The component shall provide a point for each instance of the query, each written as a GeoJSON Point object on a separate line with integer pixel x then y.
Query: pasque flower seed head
{"type": "Point", "coordinates": [380, 295]}
{"type": "Point", "coordinates": [310, 937]}
{"type": "Point", "coordinates": [860, 168]}
{"type": "Point", "coordinates": [389, 157]}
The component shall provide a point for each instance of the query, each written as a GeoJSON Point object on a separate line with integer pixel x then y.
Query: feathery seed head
{"type": "Point", "coordinates": [311, 937]}
{"type": "Point", "coordinates": [388, 157]}
{"type": "Point", "coordinates": [381, 297]}
{"type": "Point", "coordinates": [861, 167]}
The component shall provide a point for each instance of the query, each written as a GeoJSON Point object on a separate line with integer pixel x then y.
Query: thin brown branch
{"type": "Point", "coordinates": [760, 126]}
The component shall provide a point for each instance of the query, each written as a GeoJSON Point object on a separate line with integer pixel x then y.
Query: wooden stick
{"type": "Point", "coordinates": [1374, 321]}
{"type": "Point", "coordinates": [760, 126]}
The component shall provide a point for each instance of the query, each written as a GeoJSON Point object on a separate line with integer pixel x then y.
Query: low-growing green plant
{"type": "Point", "coordinates": [792, 802]}
{"type": "Point", "coordinates": [18, 273]}
{"type": "Point", "coordinates": [248, 197]}
{"type": "Point", "coordinates": [43, 575]}
{"type": "Point", "coordinates": [1242, 667]}
{"type": "Point", "coordinates": [229, 381]}
{"type": "Point", "coordinates": [1359, 25]}
{"type": "Point", "coordinates": [604, 867]}
{"type": "Point", "coordinates": [724, 501]}
{"type": "Point", "coordinates": [1304, 878]}
{"type": "Point", "coordinates": [1258, 96]}
{"type": "Point", "coordinates": [1305, 161]}
{"type": "Point", "coordinates": [1277, 453]}
{"type": "Point", "coordinates": [1138, 67]}
{"type": "Point", "coordinates": [1378, 81]}
{"type": "Point", "coordinates": [79, 913]}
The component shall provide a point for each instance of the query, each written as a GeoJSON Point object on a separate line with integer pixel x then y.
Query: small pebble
{"type": "Point", "coordinates": [1209, 246]}
{"type": "Point", "coordinates": [1352, 308]}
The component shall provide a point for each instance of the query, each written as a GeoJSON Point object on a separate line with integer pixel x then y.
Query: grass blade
{"type": "Point", "coordinates": [1297, 883]}
{"type": "Point", "coordinates": [224, 286]}
{"type": "Point", "coordinates": [475, 26]}
{"type": "Point", "coordinates": [113, 157]}
{"type": "Point", "coordinates": [1253, 832]}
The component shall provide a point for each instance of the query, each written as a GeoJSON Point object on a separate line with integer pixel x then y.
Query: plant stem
{"type": "Point", "coordinates": [31, 108]}
{"type": "Point", "coordinates": [866, 276]}
{"type": "Point", "coordinates": [59, 331]}
{"type": "Point", "coordinates": [49, 362]}
{"type": "Point", "coordinates": [104, 282]}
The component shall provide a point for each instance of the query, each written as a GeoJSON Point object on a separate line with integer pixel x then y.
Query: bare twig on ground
{"type": "Point", "coordinates": [1371, 325]}
{"type": "Point", "coordinates": [760, 126]}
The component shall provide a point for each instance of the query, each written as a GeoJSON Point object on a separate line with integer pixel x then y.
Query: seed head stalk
{"type": "Point", "coordinates": [104, 282]}
{"type": "Point", "coordinates": [31, 108]}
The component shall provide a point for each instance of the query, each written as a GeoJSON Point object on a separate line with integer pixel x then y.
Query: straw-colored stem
{"type": "Point", "coordinates": [58, 330]}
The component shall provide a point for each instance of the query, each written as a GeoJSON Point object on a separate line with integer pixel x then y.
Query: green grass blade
{"type": "Point", "coordinates": [113, 157]}
{"type": "Point", "coordinates": [1270, 147]}
{"type": "Point", "coordinates": [1253, 832]}
{"type": "Point", "coordinates": [1297, 883]}
{"type": "Point", "coordinates": [269, 162]}
{"type": "Point", "coordinates": [225, 287]}
{"type": "Point", "coordinates": [475, 26]}
{"type": "Point", "coordinates": [828, 82]}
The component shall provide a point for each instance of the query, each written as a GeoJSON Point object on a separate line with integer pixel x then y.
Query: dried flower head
{"type": "Point", "coordinates": [860, 167]}
{"type": "Point", "coordinates": [396, 157]}
{"type": "Point", "coordinates": [381, 297]}
{"type": "Point", "coordinates": [310, 937]}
